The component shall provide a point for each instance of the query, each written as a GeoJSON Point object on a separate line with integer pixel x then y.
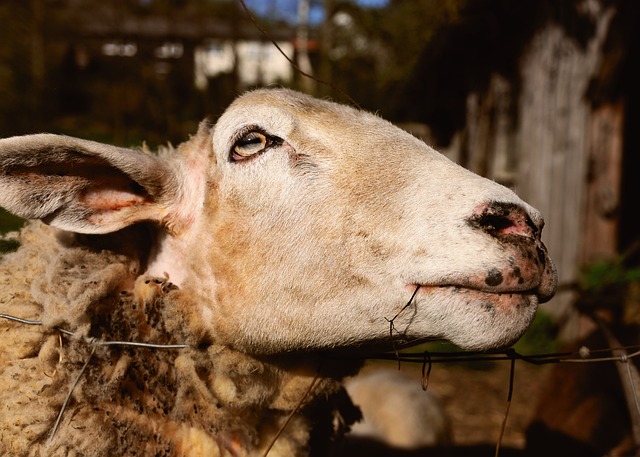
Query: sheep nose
{"type": "Point", "coordinates": [503, 219]}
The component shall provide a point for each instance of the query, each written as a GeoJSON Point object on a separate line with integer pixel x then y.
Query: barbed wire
{"type": "Point", "coordinates": [584, 355]}
{"type": "Point", "coordinates": [93, 343]}
{"type": "Point", "coordinates": [96, 341]}
{"type": "Point", "coordinates": [293, 64]}
{"type": "Point", "coordinates": [425, 357]}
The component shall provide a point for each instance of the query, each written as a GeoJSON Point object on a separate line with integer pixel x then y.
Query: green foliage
{"type": "Point", "coordinates": [380, 49]}
{"type": "Point", "coordinates": [540, 337]}
{"type": "Point", "coordinates": [9, 223]}
{"type": "Point", "coordinates": [613, 285]}
{"type": "Point", "coordinates": [54, 76]}
{"type": "Point", "coordinates": [8, 246]}
{"type": "Point", "coordinates": [602, 276]}
{"type": "Point", "coordinates": [15, 76]}
{"type": "Point", "coordinates": [406, 27]}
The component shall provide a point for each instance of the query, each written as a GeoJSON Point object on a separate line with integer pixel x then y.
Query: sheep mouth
{"type": "Point", "coordinates": [489, 298]}
{"type": "Point", "coordinates": [475, 318]}
{"type": "Point", "coordinates": [459, 287]}
{"type": "Point", "coordinates": [542, 289]}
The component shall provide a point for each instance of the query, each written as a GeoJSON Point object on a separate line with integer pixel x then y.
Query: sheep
{"type": "Point", "coordinates": [396, 411]}
{"type": "Point", "coordinates": [291, 231]}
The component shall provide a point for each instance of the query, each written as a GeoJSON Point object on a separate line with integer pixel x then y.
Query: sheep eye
{"type": "Point", "coordinates": [249, 145]}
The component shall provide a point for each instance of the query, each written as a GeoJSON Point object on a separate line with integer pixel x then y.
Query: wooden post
{"type": "Point", "coordinates": [604, 148]}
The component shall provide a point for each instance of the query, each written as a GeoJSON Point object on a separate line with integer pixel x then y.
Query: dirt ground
{"type": "Point", "coordinates": [476, 401]}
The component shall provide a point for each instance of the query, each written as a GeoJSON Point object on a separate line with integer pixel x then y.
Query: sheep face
{"type": "Point", "coordinates": [298, 224]}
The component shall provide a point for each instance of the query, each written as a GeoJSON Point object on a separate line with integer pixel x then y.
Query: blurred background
{"type": "Point", "coordinates": [540, 95]}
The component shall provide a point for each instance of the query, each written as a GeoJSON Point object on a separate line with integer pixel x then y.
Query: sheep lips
{"type": "Point", "coordinates": [529, 272]}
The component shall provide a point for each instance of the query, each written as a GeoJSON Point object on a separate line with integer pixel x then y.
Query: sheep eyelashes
{"type": "Point", "coordinates": [283, 190]}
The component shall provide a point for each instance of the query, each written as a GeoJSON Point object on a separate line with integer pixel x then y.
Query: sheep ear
{"type": "Point", "coordinates": [82, 186]}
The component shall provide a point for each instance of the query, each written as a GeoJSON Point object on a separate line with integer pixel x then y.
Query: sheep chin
{"type": "Point", "coordinates": [474, 319]}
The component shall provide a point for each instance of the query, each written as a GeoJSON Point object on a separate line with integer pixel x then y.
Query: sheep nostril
{"type": "Point", "coordinates": [495, 224]}
{"type": "Point", "coordinates": [500, 219]}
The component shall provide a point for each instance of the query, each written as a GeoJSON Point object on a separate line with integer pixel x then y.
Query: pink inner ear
{"type": "Point", "coordinates": [110, 190]}
{"type": "Point", "coordinates": [104, 199]}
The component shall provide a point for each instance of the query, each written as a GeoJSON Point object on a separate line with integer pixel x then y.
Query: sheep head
{"type": "Point", "coordinates": [296, 224]}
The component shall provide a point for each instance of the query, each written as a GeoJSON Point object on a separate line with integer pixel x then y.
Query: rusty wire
{"type": "Point", "coordinates": [585, 355]}
{"type": "Point", "coordinates": [93, 343]}
{"type": "Point", "coordinates": [68, 397]}
{"type": "Point", "coordinates": [294, 65]}
{"type": "Point", "coordinates": [291, 414]}
{"type": "Point", "coordinates": [426, 358]}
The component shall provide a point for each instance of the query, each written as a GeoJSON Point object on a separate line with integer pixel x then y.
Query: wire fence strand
{"type": "Point", "coordinates": [426, 358]}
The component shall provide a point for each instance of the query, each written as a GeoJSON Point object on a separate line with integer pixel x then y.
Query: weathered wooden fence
{"type": "Point", "coordinates": [543, 136]}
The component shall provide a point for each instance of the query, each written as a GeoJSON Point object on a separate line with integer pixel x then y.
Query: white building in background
{"type": "Point", "coordinates": [258, 62]}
